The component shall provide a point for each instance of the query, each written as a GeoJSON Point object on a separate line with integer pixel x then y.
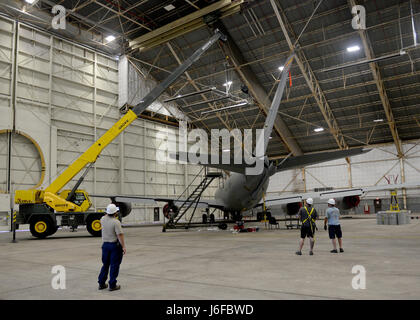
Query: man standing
{"type": "Point", "coordinates": [334, 228]}
{"type": "Point", "coordinates": [307, 215]}
{"type": "Point", "coordinates": [113, 248]}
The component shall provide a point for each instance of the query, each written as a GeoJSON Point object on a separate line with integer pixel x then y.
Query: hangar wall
{"type": "Point", "coordinates": [65, 96]}
{"type": "Point", "coordinates": [365, 170]}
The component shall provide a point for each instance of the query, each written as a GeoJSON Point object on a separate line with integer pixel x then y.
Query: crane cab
{"type": "Point", "coordinates": [80, 198]}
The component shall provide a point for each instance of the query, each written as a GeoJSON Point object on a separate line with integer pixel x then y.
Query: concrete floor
{"type": "Point", "coordinates": [204, 264]}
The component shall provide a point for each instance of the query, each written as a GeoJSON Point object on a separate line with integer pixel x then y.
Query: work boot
{"type": "Point", "coordinates": [311, 253]}
{"type": "Point", "coordinates": [117, 287]}
{"type": "Point", "coordinates": [341, 250]}
{"type": "Point", "coordinates": [102, 286]}
{"type": "Point", "coordinates": [299, 253]}
{"type": "Point", "coordinates": [334, 251]}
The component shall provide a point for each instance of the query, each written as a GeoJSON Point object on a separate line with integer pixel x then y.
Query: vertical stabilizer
{"type": "Point", "coordinates": [272, 113]}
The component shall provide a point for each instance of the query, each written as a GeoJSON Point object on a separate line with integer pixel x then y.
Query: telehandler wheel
{"type": "Point", "coordinates": [93, 225]}
{"type": "Point", "coordinates": [53, 230]}
{"type": "Point", "coordinates": [41, 227]}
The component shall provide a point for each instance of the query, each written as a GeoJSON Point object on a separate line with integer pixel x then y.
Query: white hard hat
{"type": "Point", "coordinates": [310, 201]}
{"type": "Point", "coordinates": [112, 208]}
{"type": "Point", "coordinates": [331, 201]}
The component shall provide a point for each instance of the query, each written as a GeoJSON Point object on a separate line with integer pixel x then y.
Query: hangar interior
{"type": "Point", "coordinates": [61, 89]}
{"type": "Point", "coordinates": [72, 69]}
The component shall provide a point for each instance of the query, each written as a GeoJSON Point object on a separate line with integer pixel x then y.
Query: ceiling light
{"type": "Point", "coordinates": [110, 38]}
{"type": "Point", "coordinates": [227, 83]}
{"type": "Point", "coordinates": [378, 120]}
{"type": "Point", "coordinates": [353, 49]}
{"type": "Point", "coordinates": [226, 150]}
{"type": "Point", "coordinates": [169, 7]}
{"type": "Point", "coordinates": [281, 68]}
{"type": "Point", "coordinates": [31, 1]}
{"type": "Point", "coordinates": [239, 104]}
{"type": "Point", "coordinates": [319, 129]}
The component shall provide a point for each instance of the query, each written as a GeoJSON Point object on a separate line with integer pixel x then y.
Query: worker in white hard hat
{"type": "Point", "coordinates": [307, 215]}
{"type": "Point", "coordinates": [332, 217]}
{"type": "Point", "coordinates": [113, 248]}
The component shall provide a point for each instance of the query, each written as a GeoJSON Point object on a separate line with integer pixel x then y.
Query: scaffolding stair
{"type": "Point", "coordinates": [192, 201]}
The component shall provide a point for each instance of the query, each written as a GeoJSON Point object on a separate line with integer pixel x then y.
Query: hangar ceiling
{"type": "Point", "coordinates": [360, 105]}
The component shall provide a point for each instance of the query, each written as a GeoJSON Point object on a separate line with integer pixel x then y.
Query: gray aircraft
{"type": "Point", "coordinates": [241, 191]}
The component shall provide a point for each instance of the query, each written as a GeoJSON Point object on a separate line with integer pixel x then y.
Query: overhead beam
{"type": "Point", "coordinates": [311, 81]}
{"type": "Point", "coordinates": [184, 25]}
{"type": "Point", "coordinates": [245, 72]}
{"type": "Point", "coordinates": [380, 85]}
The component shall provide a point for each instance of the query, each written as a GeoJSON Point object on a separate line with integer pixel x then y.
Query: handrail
{"type": "Point", "coordinates": [202, 168]}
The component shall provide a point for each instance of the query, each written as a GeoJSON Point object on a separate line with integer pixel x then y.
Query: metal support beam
{"type": "Point", "coordinates": [122, 15]}
{"type": "Point", "coordinates": [312, 82]}
{"type": "Point", "coordinates": [404, 191]}
{"type": "Point", "coordinates": [380, 85]}
{"type": "Point", "coordinates": [232, 51]}
{"type": "Point", "coordinates": [304, 179]}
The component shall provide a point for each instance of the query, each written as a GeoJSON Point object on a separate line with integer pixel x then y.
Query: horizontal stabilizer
{"type": "Point", "coordinates": [314, 158]}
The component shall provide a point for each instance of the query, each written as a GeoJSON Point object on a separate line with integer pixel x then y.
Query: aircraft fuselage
{"type": "Point", "coordinates": [242, 192]}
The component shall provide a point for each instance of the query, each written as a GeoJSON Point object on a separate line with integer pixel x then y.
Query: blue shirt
{"type": "Point", "coordinates": [333, 215]}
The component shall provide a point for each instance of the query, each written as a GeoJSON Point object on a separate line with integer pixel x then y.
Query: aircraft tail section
{"type": "Point", "coordinates": [314, 158]}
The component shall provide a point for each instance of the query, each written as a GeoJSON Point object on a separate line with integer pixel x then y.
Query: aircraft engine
{"type": "Point", "coordinates": [292, 208]}
{"type": "Point", "coordinates": [347, 203]}
{"type": "Point", "coordinates": [170, 210]}
{"type": "Point", "coordinates": [125, 208]}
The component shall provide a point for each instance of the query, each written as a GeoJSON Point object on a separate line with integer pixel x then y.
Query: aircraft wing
{"type": "Point", "coordinates": [272, 200]}
{"type": "Point", "coordinates": [203, 203]}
